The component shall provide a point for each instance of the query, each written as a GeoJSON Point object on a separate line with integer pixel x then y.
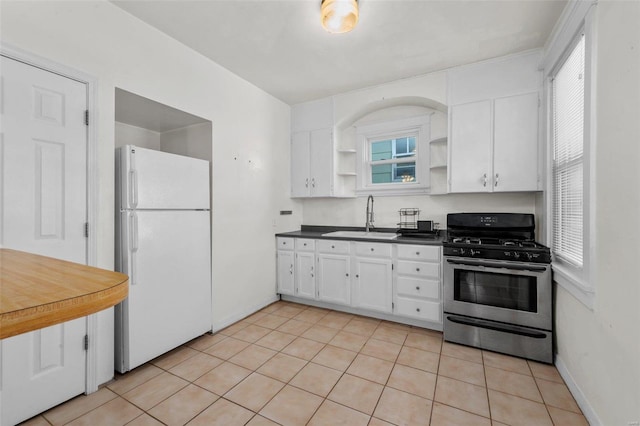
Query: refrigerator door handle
{"type": "Point", "coordinates": [133, 244]}
{"type": "Point", "coordinates": [133, 193]}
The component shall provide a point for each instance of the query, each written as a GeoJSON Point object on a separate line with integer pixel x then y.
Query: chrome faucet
{"type": "Point", "coordinates": [369, 221]}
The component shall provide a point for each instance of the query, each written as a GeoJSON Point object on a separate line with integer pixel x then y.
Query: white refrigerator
{"type": "Point", "coordinates": [163, 243]}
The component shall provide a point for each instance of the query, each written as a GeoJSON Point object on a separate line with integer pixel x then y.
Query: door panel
{"type": "Point", "coordinates": [334, 283]}
{"type": "Point", "coordinates": [372, 284]}
{"type": "Point", "coordinates": [286, 284]}
{"type": "Point", "coordinates": [300, 173]}
{"type": "Point", "coordinates": [43, 210]}
{"type": "Point", "coordinates": [515, 151]}
{"type": "Point", "coordinates": [470, 147]}
{"type": "Point", "coordinates": [43, 162]}
{"type": "Point", "coordinates": [305, 275]}
{"type": "Point", "coordinates": [321, 157]}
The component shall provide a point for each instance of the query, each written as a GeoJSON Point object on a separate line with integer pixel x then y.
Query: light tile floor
{"type": "Point", "coordinates": [291, 364]}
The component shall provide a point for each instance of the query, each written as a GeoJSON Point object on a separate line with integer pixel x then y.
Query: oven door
{"type": "Point", "coordinates": [517, 293]}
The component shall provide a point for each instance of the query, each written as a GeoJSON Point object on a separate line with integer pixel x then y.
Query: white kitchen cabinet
{"type": "Point", "coordinates": [305, 273]}
{"type": "Point", "coordinates": [470, 147]}
{"type": "Point", "coordinates": [334, 271]}
{"type": "Point", "coordinates": [312, 163]}
{"type": "Point", "coordinates": [494, 125]}
{"type": "Point", "coordinates": [372, 282]}
{"type": "Point", "coordinates": [418, 292]}
{"type": "Point", "coordinates": [285, 266]}
{"type": "Point", "coordinates": [494, 145]}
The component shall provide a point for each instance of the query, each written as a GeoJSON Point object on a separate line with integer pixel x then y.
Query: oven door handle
{"type": "Point", "coordinates": [498, 265]}
{"type": "Point", "coordinates": [505, 328]}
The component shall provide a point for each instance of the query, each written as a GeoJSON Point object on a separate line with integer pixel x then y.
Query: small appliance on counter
{"type": "Point", "coordinates": [410, 225]}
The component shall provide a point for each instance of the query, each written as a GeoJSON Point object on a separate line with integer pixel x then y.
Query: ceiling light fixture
{"type": "Point", "coordinates": [339, 16]}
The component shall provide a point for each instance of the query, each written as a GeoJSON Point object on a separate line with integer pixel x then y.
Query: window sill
{"type": "Point", "coordinates": [392, 191]}
{"type": "Point", "coordinates": [576, 286]}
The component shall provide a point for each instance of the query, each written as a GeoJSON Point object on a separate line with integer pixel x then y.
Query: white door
{"type": "Point", "coordinates": [44, 209]}
{"type": "Point", "coordinates": [515, 145]}
{"type": "Point", "coordinates": [470, 147]}
{"type": "Point", "coordinates": [305, 275]}
{"type": "Point", "coordinates": [372, 284]}
{"type": "Point", "coordinates": [285, 272]}
{"type": "Point", "coordinates": [334, 282]}
{"type": "Point", "coordinates": [300, 173]}
{"type": "Point", "coordinates": [169, 298]}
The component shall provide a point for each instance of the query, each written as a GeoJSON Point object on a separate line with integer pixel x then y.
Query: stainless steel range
{"type": "Point", "coordinates": [497, 285]}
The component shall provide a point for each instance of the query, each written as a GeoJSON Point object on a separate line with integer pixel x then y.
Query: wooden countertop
{"type": "Point", "coordinates": [38, 291]}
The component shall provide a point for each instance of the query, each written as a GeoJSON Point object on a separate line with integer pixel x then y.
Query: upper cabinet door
{"type": "Point", "coordinates": [321, 158]}
{"type": "Point", "coordinates": [515, 145]}
{"type": "Point", "coordinates": [470, 147]}
{"type": "Point", "coordinates": [300, 164]}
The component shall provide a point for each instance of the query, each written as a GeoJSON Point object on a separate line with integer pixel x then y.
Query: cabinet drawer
{"type": "Point", "coordinates": [416, 287]}
{"type": "Point", "coordinates": [285, 243]}
{"type": "Point", "coordinates": [305, 244]}
{"type": "Point", "coordinates": [333, 246]}
{"type": "Point", "coordinates": [420, 309]}
{"type": "Point", "coordinates": [428, 253]}
{"type": "Point", "coordinates": [419, 269]}
{"type": "Point", "coordinates": [373, 249]}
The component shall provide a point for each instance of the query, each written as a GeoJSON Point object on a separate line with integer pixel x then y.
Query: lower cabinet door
{"type": "Point", "coordinates": [286, 282]}
{"type": "Point", "coordinates": [373, 284]}
{"type": "Point", "coordinates": [334, 282]}
{"type": "Point", "coordinates": [305, 275]}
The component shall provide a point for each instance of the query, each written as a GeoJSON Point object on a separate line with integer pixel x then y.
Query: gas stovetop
{"type": "Point", "coordinates": [499, 236]}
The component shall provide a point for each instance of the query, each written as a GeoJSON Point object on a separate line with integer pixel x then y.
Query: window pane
{"type": "Point", "coordinates": [405, 172]}
{"type": "Point", "coordinates": [393, 148]}
{"type": "Point", "coordinates": [381, 150]}
{"type": "Point", "coordinates": [382, 173]}
{"type": "Point", "coordinates": [568, 148]}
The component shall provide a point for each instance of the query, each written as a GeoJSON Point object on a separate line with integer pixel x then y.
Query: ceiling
{"type": "Point", "coordinates": [280, 46]}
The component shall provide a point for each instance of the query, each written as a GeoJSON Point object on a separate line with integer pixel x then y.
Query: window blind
{"type": "Point", "coordinates": [568, 157]}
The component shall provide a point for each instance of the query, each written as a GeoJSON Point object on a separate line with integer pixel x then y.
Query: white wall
{"type": "Point", "coordinates": [250, 132]}
{"type": "Point", "coordinates": [126, 134]}
{"type": "Point", "coordinates": [191, 141]}
{"type": "Point", "coordinates": [422, 94]}
{"type": "Point", "coordinates": [601, 348]}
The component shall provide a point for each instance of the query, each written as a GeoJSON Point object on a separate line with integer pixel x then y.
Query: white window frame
{"type": "Point", "coordinates": [578, 20]}
{"type": "Point", "coordinates": [367, 133]}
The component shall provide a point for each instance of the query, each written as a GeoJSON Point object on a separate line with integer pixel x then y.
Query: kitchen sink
{"type": "Point", "coordinates": [363, 235]}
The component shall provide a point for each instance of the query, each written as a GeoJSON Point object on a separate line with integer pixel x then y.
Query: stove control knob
{"type": "Point", "coordinates": [474, 252]}
{"type": "Point", "coordinates": [462, 252]}
{"type": "Point", "coordinates": [516, 255]}
{"type": "Point", "coordinates": [529, 256]}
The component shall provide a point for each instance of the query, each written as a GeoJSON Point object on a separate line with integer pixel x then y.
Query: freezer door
{"type": "Point", "coordinates": [152, 179]}
{"type": "Point", "coordinates": [168, 261]}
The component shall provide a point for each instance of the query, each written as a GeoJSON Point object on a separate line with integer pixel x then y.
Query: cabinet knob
{"type": "Point", "coordinates": [306, 183]}
{"type": "Point", "coordinates": [417, 269]}
{"type": "Point", "coordinates": [417, 309]}
{"type": "Point", "coordinates": [312, 275]}
{"type": "Point", "coordinates": [284, 243]}
{"type": "Point", "coordinates": [484, 181]}
{"type": "Point", "coordinates": [496, 181]}
{"type": "Point", "coordinates": [333, 246]}
{"type": "Point", "coordinates": [372, 249]}
{"type": "Point", "coordinates": [417, 253]}
{"type": "Point", "coordinates": [347, 274]}
{"type": "Point", "coordinates": [417, 287]}
{"type": "Point", "coordinates": [305, 244]}
{"type": "Point", "coordinates": [357, 276]}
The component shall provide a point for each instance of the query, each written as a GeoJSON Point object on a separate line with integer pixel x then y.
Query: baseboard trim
{"type": "Point", "coordinates": [225, 322]}
{"type": "Point", "coordinates": [581, 400]}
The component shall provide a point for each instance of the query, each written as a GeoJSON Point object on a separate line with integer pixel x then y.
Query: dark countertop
{"type": "Point", "coordinates": [316, 232]}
